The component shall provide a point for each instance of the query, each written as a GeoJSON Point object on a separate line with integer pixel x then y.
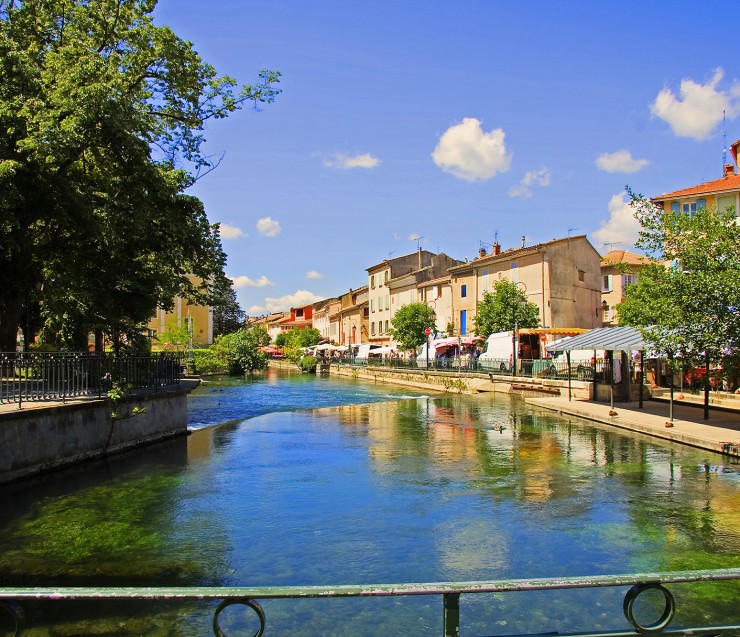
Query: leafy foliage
{"type": "Point", "coordinates": [308, 364]}
{"type": "Point", "coordinates": [295, 338]}
{"type": "Point", "coordinates": [102, 114]}
{"type": "Point", "coordinates": [228, 315]}
{"type": "Point", "coordinates": [690, 309]}
{"type": "Point", "coordinates": [409, 325]}
{"type": "Point", "coordinates": [499, 310]}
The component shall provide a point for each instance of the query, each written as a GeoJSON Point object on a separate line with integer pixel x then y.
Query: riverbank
{"type": "Point", "coordinates": [720, 433]}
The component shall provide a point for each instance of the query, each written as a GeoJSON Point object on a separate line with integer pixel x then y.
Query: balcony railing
{"type": "Point", "coordinates": [647, 591]}
{"type": "Point", "coordinates": [58, 376]}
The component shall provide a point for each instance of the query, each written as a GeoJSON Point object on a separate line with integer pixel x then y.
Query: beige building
{"type": "Point", "coordinates": [619, 269]}
{"type": "Point", "coordinates": [721, 194]}
{"type": "Point", "coordinates": [379, 296]}
{"type": "Point", "coordinates": [352, 317]}
{"type": "Point", "coordinates": [561, 277]}
{"type": "Point", "coordinates": [198, 317]}
{"type": "Point", "coordinates": [321, 319]}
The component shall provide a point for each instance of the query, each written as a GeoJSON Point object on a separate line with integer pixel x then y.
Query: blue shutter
{"type": "Point", "coordinates": [463, 322]}
{"type": "Point", "coordinates": [675, 208]}
{"type": "Point", "coordinates": [701, 203]}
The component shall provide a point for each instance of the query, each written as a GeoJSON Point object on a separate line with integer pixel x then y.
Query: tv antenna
{"type": "Point", "coordinates": [612, 244]}
{"type": "Point", "coordinates": [571, 230]}
{"type": "Point", "coordinates": [418, 239]}
{"type": "Point", "coordinates": [724, 140]}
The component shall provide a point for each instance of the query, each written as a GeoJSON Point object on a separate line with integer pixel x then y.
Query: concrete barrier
{"type": "Point", "coordinates": [44, 437]}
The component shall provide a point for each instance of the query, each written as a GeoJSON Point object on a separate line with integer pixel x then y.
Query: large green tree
{"type": "Point", "coordinates": [102, 114]}
{"type": "Point", "coordinates": [503, 308]}
{"type": "Point", "coordinates": [689, 307]}
{"type": "Point", "coordinates": [410, 323]}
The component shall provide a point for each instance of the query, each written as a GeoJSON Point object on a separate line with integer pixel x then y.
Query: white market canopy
{"type": "Point", "coordinates": [608, 338]}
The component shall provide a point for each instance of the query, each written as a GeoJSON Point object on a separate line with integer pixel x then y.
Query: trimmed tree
{"type": "Point", "coordinates": [409, 325]}
{"type": "Point", "coordinates": [505, 306]}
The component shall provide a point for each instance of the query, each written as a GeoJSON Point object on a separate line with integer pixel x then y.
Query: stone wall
{"type": "Point", "coordinates": [42, 437]}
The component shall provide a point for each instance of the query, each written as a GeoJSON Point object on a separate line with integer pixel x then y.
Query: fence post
{"type": "Point", "coordinates": [451, 614]}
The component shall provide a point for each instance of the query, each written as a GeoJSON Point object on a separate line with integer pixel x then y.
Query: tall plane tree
{"type": "Point", "coordinates": [102, 115]}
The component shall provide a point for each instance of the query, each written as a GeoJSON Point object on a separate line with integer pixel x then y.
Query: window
{"type": "Point", "coordinates": [372, 305]}
{"type": "Point", "coordinates": [688, 207]}
{"type": "Point", "coordinates": [385, 277]}
{"type": "Point", "coordinates": [386, 327]}
{"type": "Point", "coordinates": [606, 284]}
{"type": "Point", "coordinates": [387, 301]}
{"type": "Point", "coordinates": [581, 275]}
{"type": "Point", "coordinates": [372, 328]}
{"type": "Point", "coordinates": [372, 281]}
{"type": "Point", "coordinates": [463, 291]}
{"type": "Point", "coordinates": [463, 322]}
{"type": "Point", "coordinates": [380, 327]}
{"type": "Point", "coordinates": [628, 279]}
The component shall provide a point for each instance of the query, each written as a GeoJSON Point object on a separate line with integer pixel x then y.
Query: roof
{"type": "Point", "coordinates": [731, 182]}
{"type": "Point", "coordinates": [512, 253]}
{"type": "Point", "coordinates": [609, 338]}
{"type": "Point", "coordinates": [623, 256]}
{"type": "Point", "coordinates": [443, 279]}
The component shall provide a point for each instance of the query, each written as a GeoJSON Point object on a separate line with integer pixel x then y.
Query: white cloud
{"type": "Point", "coordinates": [246, 282]}
{"type": "Point", "coordinates": [230, 232]}
{"type": "Point", "coordinates": [256, 310]}
{"type": "Point", "coordinates": [340, 160]}
{"type": "Point", "coordinates": [312, 274]}
{"type": "Point", "coordinates": [700, 107]}
{"type": "Point", "coordinates": [299, 299]}
{"type": "Point", "coordinates": [539, 177]}
{"type": "Point", "coordinates": [415, 237]}
{"type": "Point", "coordinates": [468, 153]}
{"type": "Point", "coordinates": [268, 227]}
{"type": "Point", "coordinates": [620, 161]}
{"type": "Point", "coordinates": [621, 227]}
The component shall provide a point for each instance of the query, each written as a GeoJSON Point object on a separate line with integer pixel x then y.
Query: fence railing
{"type": "Point", "coordinates": [526, 368]}
{"type": "Point", "coordinates": [45, 376]}
{"type": "Point", "coordinates": [647, 592]}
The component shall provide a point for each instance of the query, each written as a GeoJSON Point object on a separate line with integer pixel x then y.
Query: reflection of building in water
{"type": "Point", "coordinates": [200, 444]}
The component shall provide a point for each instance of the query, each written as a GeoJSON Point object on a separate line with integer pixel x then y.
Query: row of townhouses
{"type": "Point", "coordinates": [571, 284]}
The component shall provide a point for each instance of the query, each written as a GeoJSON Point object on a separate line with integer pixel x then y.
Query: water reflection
{"type": "Point", "coordinates": [410, 489]}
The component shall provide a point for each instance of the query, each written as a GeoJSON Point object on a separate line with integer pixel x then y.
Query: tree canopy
{"type": "Point", "coordinates": [102, 114]}
{"type": "Point", "coordinates": [687, 303]}
{"type": "Point", "coordinates": [500, 309]}
{"type": "Point", "coordinates": [409, 325]}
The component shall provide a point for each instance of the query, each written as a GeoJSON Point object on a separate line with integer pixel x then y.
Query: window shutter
{"type": "Point", "coordinates": [675, 208]}
{"type": "Point", "coordinates": [701, 203]}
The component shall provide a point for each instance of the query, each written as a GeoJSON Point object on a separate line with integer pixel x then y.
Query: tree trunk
{"type": "Point", "coordinates": [10, 319]}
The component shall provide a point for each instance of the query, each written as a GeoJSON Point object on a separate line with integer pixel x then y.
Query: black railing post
{"type": "Point", "coordinates": [451, 619]}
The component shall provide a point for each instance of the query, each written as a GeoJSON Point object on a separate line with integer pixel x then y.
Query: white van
{"type": "Point", "coordinates": [497, 352]}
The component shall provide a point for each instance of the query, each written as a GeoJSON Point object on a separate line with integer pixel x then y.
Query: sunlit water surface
{"type": "Point", "coordinates": [291, 479]}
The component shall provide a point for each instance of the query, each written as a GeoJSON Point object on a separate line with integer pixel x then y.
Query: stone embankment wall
{"type": "Point", "coordinates": [43, 437]}
{"type": "Point", "coordinates": [463, 383]}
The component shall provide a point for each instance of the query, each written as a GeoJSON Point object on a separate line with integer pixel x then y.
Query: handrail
{"type": "Point", "coordinates": [450, 591]}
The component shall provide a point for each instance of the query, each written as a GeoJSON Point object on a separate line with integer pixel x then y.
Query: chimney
{"type": "Point", "coordinates": [496, 248]}
{"type": "Point", "coordinates": [729, 170]}
{"type": "Point", "coordinates": [523, 238]}
{"type": "Point", "coordinates": [482, 252]}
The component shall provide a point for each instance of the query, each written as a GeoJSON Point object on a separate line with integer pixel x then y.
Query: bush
{"type": "Point", "coordinates": [308, 364]}
{"type": "Point", "coordinates": [208, 361]}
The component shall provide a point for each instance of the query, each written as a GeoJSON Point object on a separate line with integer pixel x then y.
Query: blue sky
{"type": "Point", "coordinates": [450, 125]}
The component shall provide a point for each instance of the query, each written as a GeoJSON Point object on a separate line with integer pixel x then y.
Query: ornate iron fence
{"type": "Point", "coordinates": [47, 376]}
{"type": "Point", "coordinates": [652, 619]}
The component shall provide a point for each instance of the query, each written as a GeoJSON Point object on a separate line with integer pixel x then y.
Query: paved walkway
{"type": "Point", "coordinates": [720, 433]}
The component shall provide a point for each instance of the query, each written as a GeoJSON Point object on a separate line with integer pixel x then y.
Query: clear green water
{"type": "Point", "coordinates": [400, 488]}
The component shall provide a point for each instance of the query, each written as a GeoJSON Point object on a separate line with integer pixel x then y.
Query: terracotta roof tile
{"type": "Point", "coordinates": [731, 182]}
{"type": "Point", "coordinates": [623, 256]}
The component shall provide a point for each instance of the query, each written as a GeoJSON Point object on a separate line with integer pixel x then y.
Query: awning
{"type": "Point", "coordinates": [454, 341]}
{"type": "Point", "coordinates": [554, 331]}
{"type": "Point", "coordinates": [609, 338]}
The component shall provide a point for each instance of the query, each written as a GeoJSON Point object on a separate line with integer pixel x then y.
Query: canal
{"type": "Point", "coordinates": [293, 479]}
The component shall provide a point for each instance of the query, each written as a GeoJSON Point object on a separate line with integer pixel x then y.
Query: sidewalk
{"type": "Point", "coordinates": [721, 433]}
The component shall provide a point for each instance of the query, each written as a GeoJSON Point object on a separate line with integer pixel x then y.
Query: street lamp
{"type": "Point", "coordinates": [517, 303]}
{"type": "Point", "coordinates": [427, 331]}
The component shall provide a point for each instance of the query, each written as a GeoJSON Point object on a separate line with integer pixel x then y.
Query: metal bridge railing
{"type": "Point", "coordinates": [47, 376]}
{"type": "Point", "coordinates": [11, 599]}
